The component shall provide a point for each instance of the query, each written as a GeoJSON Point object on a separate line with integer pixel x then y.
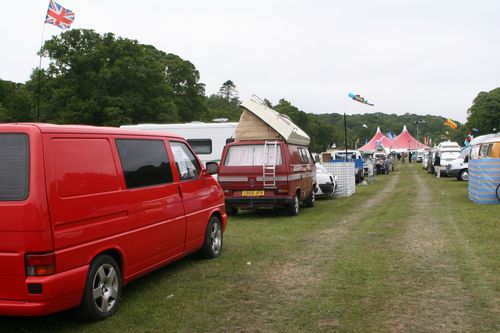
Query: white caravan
{"type": "Point", "coordinates": [206, 139]}
{"type": "Point", "coordinates": [460, 167]}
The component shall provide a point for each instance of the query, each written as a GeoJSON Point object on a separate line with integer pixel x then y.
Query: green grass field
{"type": "Point", "coordinates": [408, 253]}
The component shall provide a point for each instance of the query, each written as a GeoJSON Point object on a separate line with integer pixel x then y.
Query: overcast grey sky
{"type": "Point", "coordinates": [419, 56]}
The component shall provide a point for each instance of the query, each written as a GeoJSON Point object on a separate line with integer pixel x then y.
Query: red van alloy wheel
{"type": "Point", "coordinates": [212, 246]}
{"type": "Point", "coordinates": [103, 289]}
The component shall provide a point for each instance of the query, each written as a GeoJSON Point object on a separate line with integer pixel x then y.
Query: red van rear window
{"type": "Point", "coordinates": [252, 155]}
{"type": "Point", "coordinates": [14, 166]}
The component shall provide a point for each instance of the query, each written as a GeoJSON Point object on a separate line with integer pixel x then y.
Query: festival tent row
{"type": "Point", "coordinates": [401, 143]}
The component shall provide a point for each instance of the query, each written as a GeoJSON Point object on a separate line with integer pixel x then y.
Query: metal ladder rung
{"type": "Point", "coordinates": [269, 170]}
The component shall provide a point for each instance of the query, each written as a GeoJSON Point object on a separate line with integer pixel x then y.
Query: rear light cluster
{"type": "Point", "coordinates": [40, 264]}
{"type": "Point", "coordinates": [228, 192]}
{"type": "Point", "coordinates": [281, 191]}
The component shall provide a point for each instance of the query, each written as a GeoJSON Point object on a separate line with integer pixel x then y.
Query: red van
{"type": "Point", "coordinates": [85, 210]}
{"type": "Point", "coordinates": [267, 174]}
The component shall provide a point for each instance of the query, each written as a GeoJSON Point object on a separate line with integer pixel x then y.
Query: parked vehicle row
{"type": "Point", "coordinates": [455, 160]}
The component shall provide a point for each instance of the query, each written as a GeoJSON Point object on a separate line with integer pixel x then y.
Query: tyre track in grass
{"type": "Point", "coordinates": [297, 277]}
{"type": "Point", "coordinates": [432, 296]}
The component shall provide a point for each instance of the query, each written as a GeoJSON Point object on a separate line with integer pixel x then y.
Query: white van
{"type": "Point", "coordinates": [206, 139]}
{"type": "Point", "coordinates": [448, 151]}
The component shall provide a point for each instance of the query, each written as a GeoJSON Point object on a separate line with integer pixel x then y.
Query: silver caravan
{"type": "Point", "coordinates": [206, 139]}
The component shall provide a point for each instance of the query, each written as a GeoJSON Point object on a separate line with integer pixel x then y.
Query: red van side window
{"type": "Point", "coordinates": [83, 167]}
{"type": "Point", "coordinates": [144, 162]}
{"type": "Point", "coordinates": [187, 164]}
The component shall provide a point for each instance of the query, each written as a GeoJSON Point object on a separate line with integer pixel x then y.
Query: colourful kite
{"type": "Point", "coordinates": [450, 123]}
{"type": "Point", "coordinates": [359, 99]}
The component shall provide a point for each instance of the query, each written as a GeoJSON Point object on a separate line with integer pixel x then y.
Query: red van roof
{"type": "Point", "coordinates": [87, 129]}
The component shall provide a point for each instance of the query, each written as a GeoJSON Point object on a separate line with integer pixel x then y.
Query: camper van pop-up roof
{"type": "Point", "coordinates": [267, 124]}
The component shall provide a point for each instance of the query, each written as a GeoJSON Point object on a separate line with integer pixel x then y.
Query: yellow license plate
{"type": "Point", "coordinates": [258, 193]}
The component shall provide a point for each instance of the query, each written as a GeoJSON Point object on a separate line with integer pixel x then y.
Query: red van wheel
{"type": "Point", "coordinates": [309, 202]}
{"type": "Point", "coordinates": [293, 207]}
{"type": "Point", "coordinates": [212, 246]}
{"type": "Point", "coordinates": [102, 289]}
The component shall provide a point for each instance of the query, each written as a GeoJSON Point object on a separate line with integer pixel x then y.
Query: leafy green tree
{"type": "Point", "coordinates": [16, 103]}
{"type": "Point", "coordinates": [484, 114]}
{"type": "Point", "coordinates": [229, 92]}
{"type": "Point", "coordinates": [102, 80]}
{"type": "Point", "coordinates": [219, 107]}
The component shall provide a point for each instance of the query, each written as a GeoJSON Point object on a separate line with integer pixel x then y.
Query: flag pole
{"type": "Point", "coordinates": [39, 77]}
{"type": "Point", "coordinates": [345, 135]}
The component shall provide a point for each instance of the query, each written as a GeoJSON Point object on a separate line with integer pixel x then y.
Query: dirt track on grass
{"type": "Point", "coordinates": [298, 277]}
{"type": "Point", "coordinates": [434, 298]}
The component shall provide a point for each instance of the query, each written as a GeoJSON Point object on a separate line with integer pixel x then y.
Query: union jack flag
{"type": "Point", "coordinates": [59, 16]}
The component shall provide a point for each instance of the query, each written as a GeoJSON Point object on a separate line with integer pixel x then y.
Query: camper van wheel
{"type": "Point", "coordinates": [309, 202]}
{"type": "Point", "coordinates": [463, 175]}
{"type": "Point", "coordinates": [102, 289]}
{"type": "Point", "coordinates": [231, 211]}
{"type": "Point", "coordinates": [212, 246]}
{"type": "Point", "coordinates": [293, 207]}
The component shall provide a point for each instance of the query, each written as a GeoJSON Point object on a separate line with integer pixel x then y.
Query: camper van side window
{"type": "Point", "coordinates": [484, 150]}
{"type": "Point", "coordinates": [304, 156]}
{"type": "Point", "coordinates": [144, 162]}
{"type": "Point", "coordinates": [201, 146]}
{"type": "Point", "coordinates": [187, 164]}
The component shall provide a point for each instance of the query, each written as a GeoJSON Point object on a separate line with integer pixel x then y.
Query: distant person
{"type": "Point", "coordinates": [399, 156]}
{"type": "Point", "coordinates": [409, 157]}
{"type": "Point", "coordinates": [437, 165]}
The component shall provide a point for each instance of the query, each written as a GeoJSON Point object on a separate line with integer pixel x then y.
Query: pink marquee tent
{"type": "Point", "coordinates": [380, 138]}
{"type": "Point", "coordinates": [404, 142]}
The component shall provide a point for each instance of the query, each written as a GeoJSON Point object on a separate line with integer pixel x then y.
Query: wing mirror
{"type": "Point", "coordinates": [212, 168]}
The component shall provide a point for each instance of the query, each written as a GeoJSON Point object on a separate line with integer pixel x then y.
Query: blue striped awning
{"type": "Point", "coordinates": [484, 177]}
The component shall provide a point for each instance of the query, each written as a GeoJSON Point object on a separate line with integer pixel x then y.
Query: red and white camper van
{"type": "Point", "coordinates": [269, 163]}
{"type": "Point", "coordinates": [85, 210]}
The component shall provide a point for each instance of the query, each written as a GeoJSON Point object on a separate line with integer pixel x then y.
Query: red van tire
{"type": "Point", "coordinates": [103, 289]}
{"type": "Point", "coordinates": [294, 206]}
{"type": "Point", "coordinates": [212, 246]}
{"type": "Point", "coordinates": [309, 202]}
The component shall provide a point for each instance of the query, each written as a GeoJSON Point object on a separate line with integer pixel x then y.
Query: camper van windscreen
{"type": "Point", "coordinates": [253, 155]}
{"type": "Point", "coordinates": [14, 168]}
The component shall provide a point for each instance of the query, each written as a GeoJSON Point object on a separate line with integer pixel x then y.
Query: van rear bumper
{"type": "Point", "coordinates": [60, 292]}
{"type": "Point", "coordinates": [258, 202]}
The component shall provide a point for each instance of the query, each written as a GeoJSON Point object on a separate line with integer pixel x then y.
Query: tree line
{"type": "Point", "coordinates": [106, 80]}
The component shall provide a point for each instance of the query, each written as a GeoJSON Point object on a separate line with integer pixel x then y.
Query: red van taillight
{"type": "Point", "coordinates": [281, 191]}
{"type": "Point", "coordinates": [40, 264]}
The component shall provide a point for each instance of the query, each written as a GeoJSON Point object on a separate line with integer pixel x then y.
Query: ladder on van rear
{"type": "Point", "coordinates": [269, 165]}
